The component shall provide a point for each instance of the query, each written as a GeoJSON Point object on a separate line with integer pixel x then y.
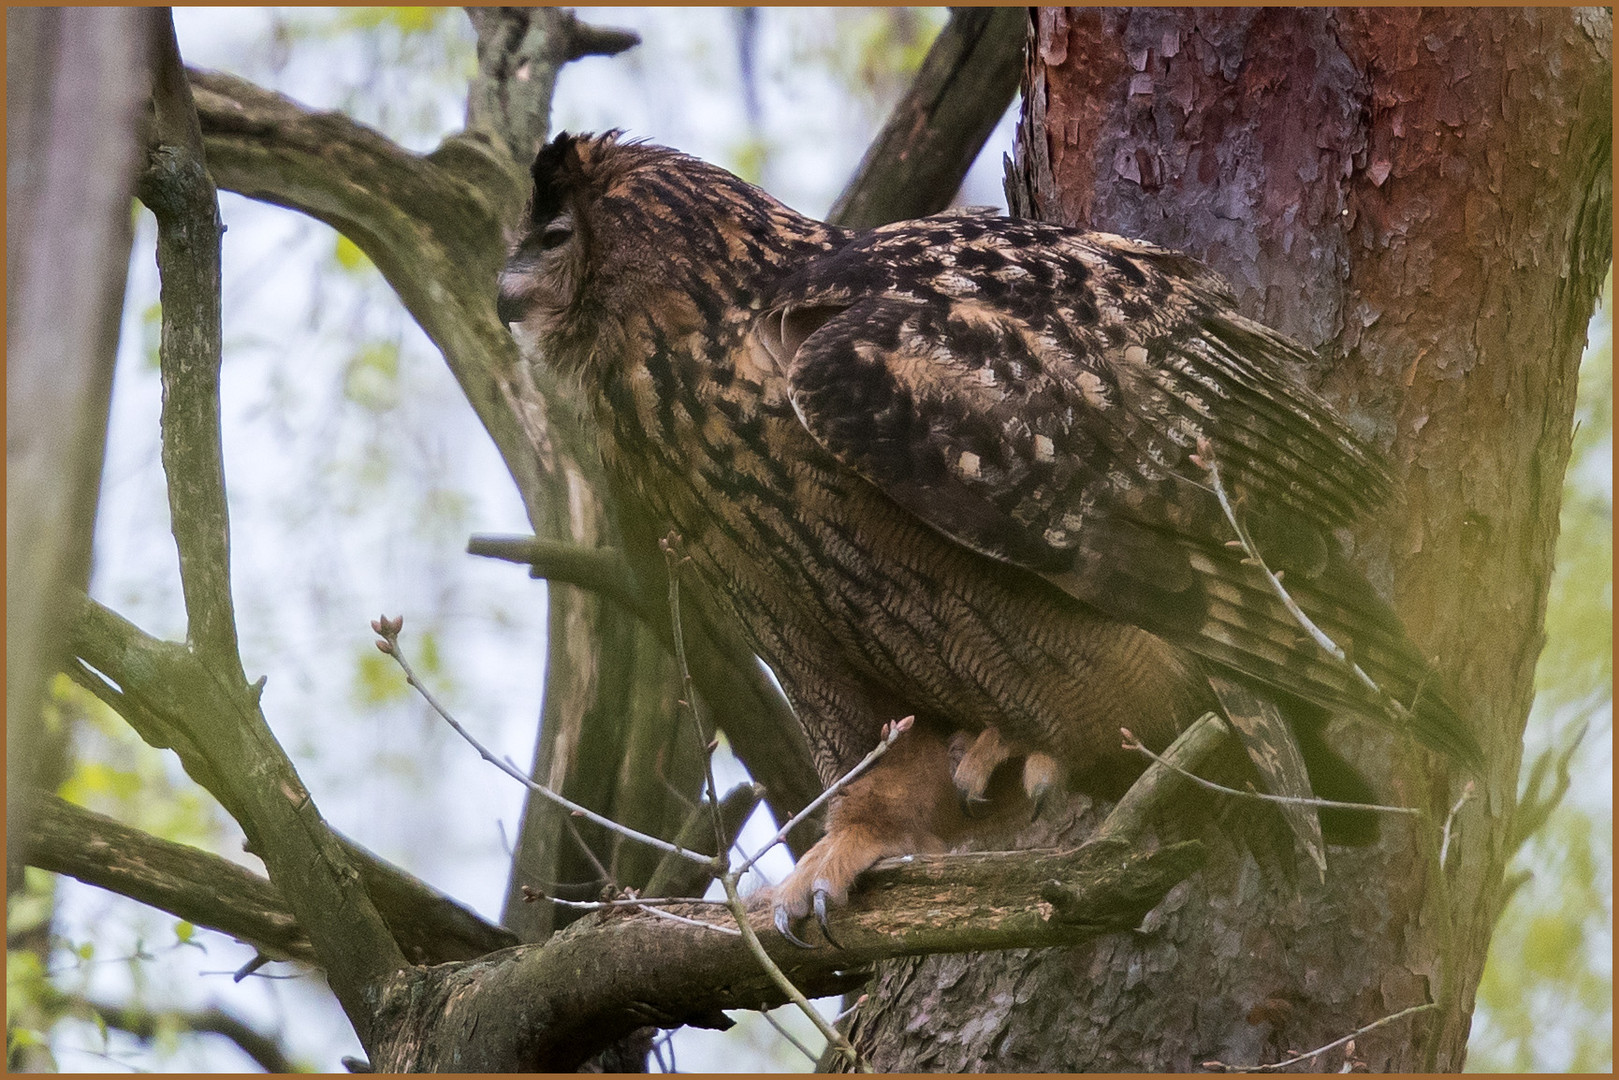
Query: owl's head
{"type": "Point", "coordinates": [617, 226]}
{"type": "Point", "coordinates": [548, 265]}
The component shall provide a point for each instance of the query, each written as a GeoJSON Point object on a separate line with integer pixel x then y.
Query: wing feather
{"type": "Point", "coordinates": [1038, 395]}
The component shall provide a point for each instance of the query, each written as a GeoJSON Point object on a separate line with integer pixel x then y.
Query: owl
{"type": "Point", "coordinates": [982, 471]}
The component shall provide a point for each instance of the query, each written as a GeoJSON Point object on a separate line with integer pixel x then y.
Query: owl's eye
{"type": "Point", "coordinates": [555, 236]}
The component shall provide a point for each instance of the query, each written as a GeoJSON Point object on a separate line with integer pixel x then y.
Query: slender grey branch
{"type": "Point", "coordinates": [1217, 1066]}
{"type": "Point", "coordinates": [746, 704]}
{"type": "Point", "coordinates": [389, 631]}
{"type": "Point", "coordinates": [915, 165]}
{"type": "Point", "coordinates": [1133, 743]}
{"type": "Point", "coordinates": [177, 189]}
{"type": "Point", "coordinates": [149, 1024]}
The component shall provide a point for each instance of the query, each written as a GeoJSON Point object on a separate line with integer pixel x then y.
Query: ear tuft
{"type": "Point", "coordinates": [555, 166]}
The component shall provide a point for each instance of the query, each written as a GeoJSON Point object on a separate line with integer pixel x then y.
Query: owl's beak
{"type": "Point", "coordinates": [512, 303]}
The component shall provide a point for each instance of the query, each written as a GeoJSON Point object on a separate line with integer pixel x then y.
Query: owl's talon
{"type": "Point", "coordinates": [784, 928]}
{"type": "Point", "coordinates": [820, 919]}
{"type": "Point", "coordinates": [972, 806]}
{"type": "Point", "coordinates": [1041, 773]}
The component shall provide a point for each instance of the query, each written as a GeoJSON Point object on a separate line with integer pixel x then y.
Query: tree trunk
{"type": "Point", "coordinates": [1425, 198]}
{"type": "Point", "coordinates": [72, 157]}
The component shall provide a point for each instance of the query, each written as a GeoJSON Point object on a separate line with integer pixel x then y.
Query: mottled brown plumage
{"type": "Point", "coordinates": [942, 467]}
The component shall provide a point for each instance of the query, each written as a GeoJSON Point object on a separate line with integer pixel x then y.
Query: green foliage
{"type": "Point", "coordinates": [349, 256]}
{"type": "Point", "coordinates": [1546, 999]}
{"type": "Point", "coordinates": [117, 774]}
{"type": "Point", "coordinates": [378, 680]}
{"type": "Point", "coordinates": [371, 376]}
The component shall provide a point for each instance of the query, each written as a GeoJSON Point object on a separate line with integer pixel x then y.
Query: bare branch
{"type": "Point", "coordinates": [177, 189]}
{"type": "Point", "coordinates": [1132, 743]}
{"type": "Point", "coordinates": [615, 971]}
{"type": "Point", "coordinates": [149, 1024]}
{"type": "Point", "coordinates": [188, 883]}
{"type": "Point", "coordinates": [227, 746]}
{"type": "Point", "coordinates": [389, 631]}
{"type": "Point", "coordinates": [745, 703]}
{"type": "Point", "coordinates": [1217, 1066]}
{"type": "Point", "coordinates": [915, 165]}
{"type": "Point", "coordinates": [601, 570]}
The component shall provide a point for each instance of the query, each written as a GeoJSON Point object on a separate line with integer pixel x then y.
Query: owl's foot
{"type": "Point", "coordinates": [824, 875]}
{"type": "Point", "coordinates": [1041, 772]}
{"type": "Point", "coordinates": [904, 804]}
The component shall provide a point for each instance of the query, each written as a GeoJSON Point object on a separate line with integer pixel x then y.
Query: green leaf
{"type": "Point", "coordinates": [350, 257]}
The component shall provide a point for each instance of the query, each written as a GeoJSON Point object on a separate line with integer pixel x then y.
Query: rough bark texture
{"type": "Point", "coordinates": [1425, 198]}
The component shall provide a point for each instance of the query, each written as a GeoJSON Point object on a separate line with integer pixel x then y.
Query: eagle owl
{"type": "Point", "coordinates": [956, 468]}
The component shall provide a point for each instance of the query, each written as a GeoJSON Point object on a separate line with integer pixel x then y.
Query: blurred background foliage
{"type": "Point", "coordinates": [356, 471]}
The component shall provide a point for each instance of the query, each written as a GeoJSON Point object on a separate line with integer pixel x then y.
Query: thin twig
{"type": "Point", "coordinates": [784, 1033]}
{"type": "Point", "coordinates": [1450, 819]}
{"type": "Point", "coordinates": [673, 917]}
{"type": "Point", "coordinates": [1132, 743]}
{"type": "Point", "coordinates": [670, 546]}
{"type": "Point", "coordinates": [846, 1013]}
{"type": "Point", "coordinates": [739, 911]}
{"type": "Point", "coordinates": [1218, 1066]}
{"type": "Point", "coordinates": [1205, 458]}
{"type": "Point", "coordinates": [891, 732]}
{"type": "Point", "coordinates": [579, 841]}
{"type": "Point", "coordinates": [388, 630]}
{"type": "Point", "coordinates": [628, 902]}
{"type": "Point", "coordinates": [727, 876]}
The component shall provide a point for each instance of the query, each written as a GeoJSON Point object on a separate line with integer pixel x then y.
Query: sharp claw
{"type": "Point", "coordinates": [972, 806]}
{"type": "Point", "coordinates": [785, 930]}
{"type": "Point", "coordinates": [820, 918]}
{"type": "Point", "coordinates": [1038, 798]}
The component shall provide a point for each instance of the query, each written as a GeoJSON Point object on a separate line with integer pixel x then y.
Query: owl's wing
{"type": "Point", "coordinates": [1038, 395]}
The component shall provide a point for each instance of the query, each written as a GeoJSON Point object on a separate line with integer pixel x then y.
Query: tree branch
{"type": "Point", "coordinates": [915, 165]}
{"type": "Point", "coordinates": [265, 795]}
{"type": "Point", "coordinates": [177, 189]}
{"type": "Point", "coordinates": [138, 675]}
{"type": "Point", "coordinates": [614, 971]}
{"type": "Point", "coordinates": [227, 746]}
{"type": "Point", "coordinates": [186, 882]}
{"type": "Point", "coordinates": [148, 1024]}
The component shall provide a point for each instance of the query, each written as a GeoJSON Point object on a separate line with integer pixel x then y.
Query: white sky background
{"type": "Point", "coordinates": [353, 490]}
